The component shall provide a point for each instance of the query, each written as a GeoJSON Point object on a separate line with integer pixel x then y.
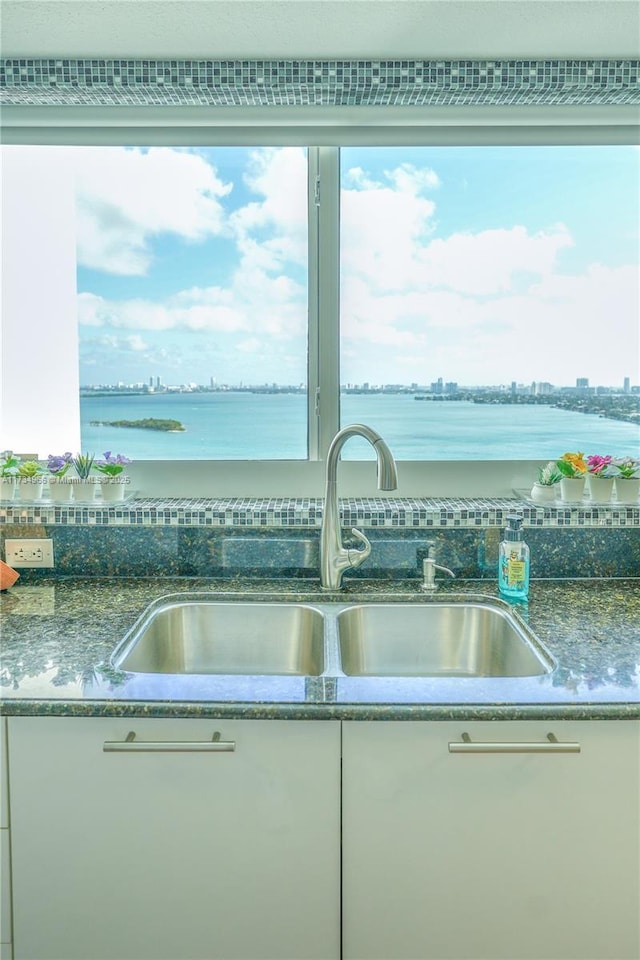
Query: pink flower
{"type": "Point", "coordinates": [598, 465]}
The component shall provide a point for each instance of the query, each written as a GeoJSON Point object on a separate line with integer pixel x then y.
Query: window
{"type": "Point", "coordinates": [499, 288]}
{"type": "Point", "coordinates": [192, 299]}
{"type": "Point", "coordinates": [457, 298]}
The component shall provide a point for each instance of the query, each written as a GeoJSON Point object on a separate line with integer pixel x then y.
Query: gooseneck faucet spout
{"type": "Point", "coordinates": [334, 557]}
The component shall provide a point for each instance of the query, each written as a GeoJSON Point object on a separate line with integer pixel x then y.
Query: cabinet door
{"type": "Point", "coordinates": [490, 856]}
{"type": "Point", "coordinates": [179, 854]}
{"type": "Point", "coordinates": [5, 861]}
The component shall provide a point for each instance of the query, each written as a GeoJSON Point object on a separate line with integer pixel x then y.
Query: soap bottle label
{"type": "Point", "coordinates": [515, 571]}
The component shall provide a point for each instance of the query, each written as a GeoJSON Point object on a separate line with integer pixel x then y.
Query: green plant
{"type": "Point", "coordinates": [9, 464]}
{"type": "Point", "coordinates": [628, 468]}
{"type": "Point", "coordinates": [83, 464]}
{"type": "Point", "coordinates": [112, 464]}
{"type": "Point", "coordinates": [549, 474]}
{"type": "Point", "coordinates": [29, 469]}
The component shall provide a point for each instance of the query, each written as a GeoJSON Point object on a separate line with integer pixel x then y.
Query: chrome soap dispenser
{"type": "Point", "coordinates": [513, 562]}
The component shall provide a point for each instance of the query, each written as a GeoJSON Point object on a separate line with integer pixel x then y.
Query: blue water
{"type": "Point", "coordinates": [236, 426]}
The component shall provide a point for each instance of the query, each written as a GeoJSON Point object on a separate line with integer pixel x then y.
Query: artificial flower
{"type": "Point", "coordinates": [599, 466]}
{"type": "Point", "coordinates": [59, 465]}
{"type": "Point", "coordinates": [572, 465]}
{"type": "Point", "coordinates": [112, 464]}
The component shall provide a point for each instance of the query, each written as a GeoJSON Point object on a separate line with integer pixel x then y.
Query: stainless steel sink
{"type": "Point", "coordinates": [182, 636]}
{"type": "Point", "coordinates": [470, 639]}
{"type": "Point", "coordinates": [198, 634]}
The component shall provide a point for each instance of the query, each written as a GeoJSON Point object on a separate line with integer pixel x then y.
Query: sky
{"type": "Point", "coordinates": [480, 265]}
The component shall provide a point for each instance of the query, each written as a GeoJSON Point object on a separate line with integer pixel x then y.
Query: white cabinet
{"type": "Point", "coordinates": [5, 858]}
{"type": "Point", "coordinates": [173, 854]}
{"type": "Point", "coordinates": [200, 854]}
{"type": "Point", "coordinates": [491, 855]}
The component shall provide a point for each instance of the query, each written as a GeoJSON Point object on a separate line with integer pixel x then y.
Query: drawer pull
{"type": "Point", "coordinates": [550, 745]}
{"type": "Point", "coordinates": [131, 745]}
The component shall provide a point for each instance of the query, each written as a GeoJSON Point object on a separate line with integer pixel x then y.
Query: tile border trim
{"type": "Point", "coordinates": [306, 512]}
{"type": "Point", "coordinates": [104, 82]}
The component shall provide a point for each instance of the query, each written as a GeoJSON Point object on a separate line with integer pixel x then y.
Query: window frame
{"type": "Point", "coordinates": [340, 127]}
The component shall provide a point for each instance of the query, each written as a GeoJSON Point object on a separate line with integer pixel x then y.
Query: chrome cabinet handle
{"type": "Point", "coordinates": [550, 745]}
{"type": "Point", "coordinates": [131, 745]}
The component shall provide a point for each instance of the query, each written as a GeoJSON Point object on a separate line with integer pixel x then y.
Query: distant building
{"type": "Point", "coordinates": [582, 383]}
{"type": "Point", "coordinates": [627, 385]}
{"type": "Point", "coordinates": [542, 388]}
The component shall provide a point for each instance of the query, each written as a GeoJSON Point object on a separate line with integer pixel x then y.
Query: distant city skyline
{"type": "Point", "coordinates": [153, 383]}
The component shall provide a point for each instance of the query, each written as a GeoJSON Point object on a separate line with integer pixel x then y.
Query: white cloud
{"type": "Point", "coordinates": [490, 261]}
{"type": "Point", "coordinates": [257, 304]}
{"type": "Point", "coordinates": [261, 297]}
{"type": "Point", "coordinates": [136, 343]}
{"type": "Point", "coordinates": [252, 345]}
{"type": "Point", "coordinates": [546, 333]}
{"type": "Point", "coordinates": [93, 310]}
{"type": "Point", "coordinates": [405, 178]}
{"type": "Point", "coordinates": [272, 231]}
{"type": "Point", "coordinates": [388, 239]}
{"type": "Point", "coordinates": [381, 231]}
{"type": "Point", "coordinates": [125, 197]}
{"type": "Point", "coordinates": [174, 312]}
{"type": "Point", "coordinates": [406, 290]}
{"type": "Point", "coordinates": [410, 179]}
{"type": "Point", "coordinates": [488, 306]}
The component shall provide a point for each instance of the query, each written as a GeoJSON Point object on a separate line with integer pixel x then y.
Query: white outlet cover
{"type": "Point", "coordinates": [19, 553]}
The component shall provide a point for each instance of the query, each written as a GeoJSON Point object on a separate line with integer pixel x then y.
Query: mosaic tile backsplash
{"type": "Point", "coordinates": [367, 512]}
{"type": "Point", "coordinates": [280, 537]}
{"type": "Point", "coordinates": [318, 82]}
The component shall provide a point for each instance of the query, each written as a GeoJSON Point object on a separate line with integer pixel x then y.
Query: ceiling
{"type": "Point", "coordinates": [321, 29]}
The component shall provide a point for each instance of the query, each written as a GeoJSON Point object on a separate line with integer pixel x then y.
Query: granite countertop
{"type": "Point", "coordinates": [58, 636]}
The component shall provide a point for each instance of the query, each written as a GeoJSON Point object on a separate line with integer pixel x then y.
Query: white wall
{"type": "Point", "coordinates": [325, 29]}
{"type": "Point", "coordinates": [39, 311]}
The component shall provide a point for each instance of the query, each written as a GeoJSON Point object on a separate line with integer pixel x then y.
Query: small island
{"type": "Point", "coordinates": [149, 423]}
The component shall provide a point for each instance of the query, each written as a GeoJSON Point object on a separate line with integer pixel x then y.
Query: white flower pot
{"type": "Point", "coordinates": [544, 492]}
{"type": "Point", "coordinates": [113, 490]}
{"type": "Point", "coordinates": [628, 491]}
{"type": "Point", "coordinates": [7, 488]}
{"type": "Point", "coordinates": [60, 489]}
{"type": "Point", "coordinates": [600, 488]}
{"type": "Point", "coordinates": [30, 488]}
{"type": "Point", "coordinates": [84, 490]}
{"type": "Point", "coordinates": [572, 489]}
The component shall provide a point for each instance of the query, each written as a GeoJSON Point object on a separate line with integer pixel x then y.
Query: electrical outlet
{"type": "Point", "coordinates": [29, 553]}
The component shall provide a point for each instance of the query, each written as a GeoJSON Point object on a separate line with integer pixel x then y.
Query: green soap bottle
{"type": "Point", "coordinates": [513, 562]}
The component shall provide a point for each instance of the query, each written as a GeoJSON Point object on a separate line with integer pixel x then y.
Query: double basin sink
{"type": "Point", "coordinates": [198, 634]}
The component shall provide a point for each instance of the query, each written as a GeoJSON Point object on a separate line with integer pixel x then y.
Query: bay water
{"type": "Point", "coordinates": [242, 425]}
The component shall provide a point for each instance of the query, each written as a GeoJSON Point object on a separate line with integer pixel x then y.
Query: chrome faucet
{"type": "Point", "coordinates": [334, 557]}
{"type": "Point", "coordinates": [429, 567]}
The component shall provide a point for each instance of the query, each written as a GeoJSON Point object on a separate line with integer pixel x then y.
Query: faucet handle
{"type": "Point", "coordinates": [356, 557]}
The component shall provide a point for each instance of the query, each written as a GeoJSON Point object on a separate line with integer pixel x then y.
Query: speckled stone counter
{"type": "Point", "coordinates": [58, 637]}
